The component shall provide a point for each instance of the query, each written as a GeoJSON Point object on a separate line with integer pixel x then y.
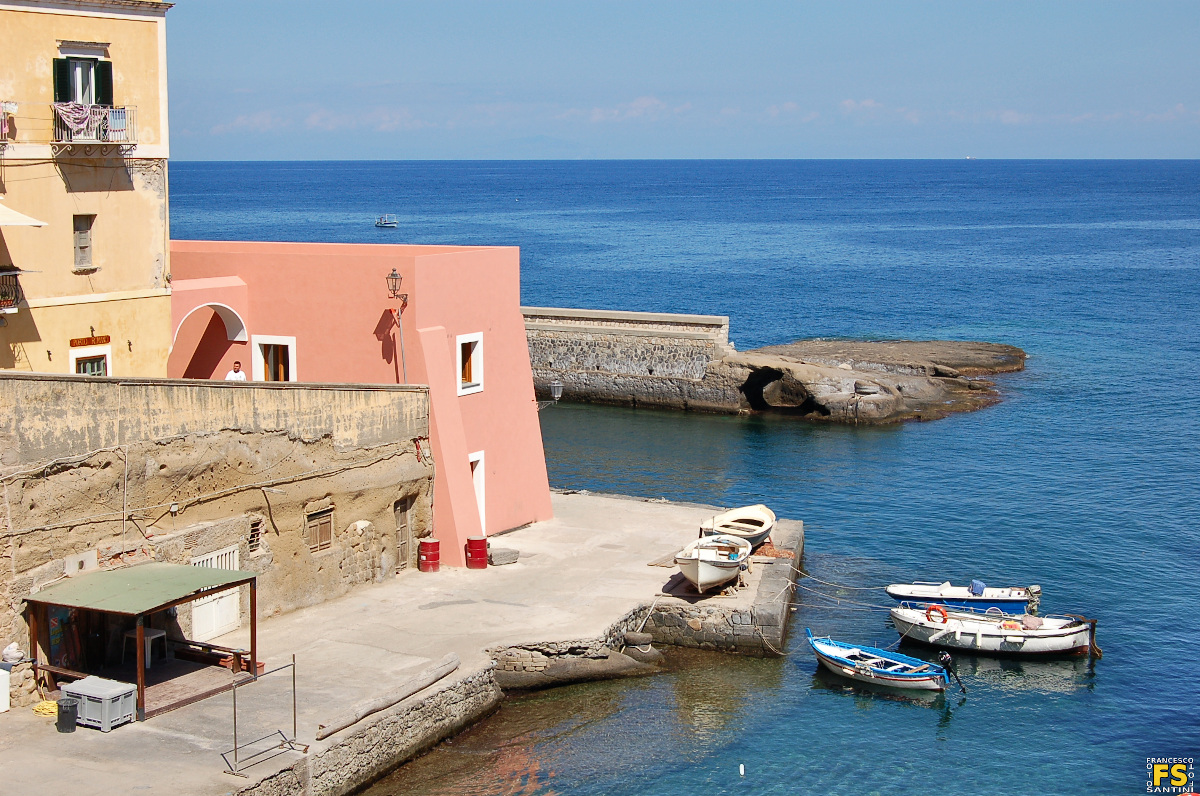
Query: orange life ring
{"type": "Point", "coordinates": [938, 609]}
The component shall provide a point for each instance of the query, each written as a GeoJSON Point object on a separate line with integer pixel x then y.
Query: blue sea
{"type": "Point", "coordinates": [1085, 479]}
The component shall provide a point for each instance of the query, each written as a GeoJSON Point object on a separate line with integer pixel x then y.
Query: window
{"type": "Point", "coordinates": [274, 357]}
{"type": "Point", "coordinates": [275, 363]}
{"type": "Point", "coordinates": [320, 530]}
{"type": "Point", "coordinates": [470, 363]}
{"type": "Point", "coordinates": [254, 542]}
{"type": "Point", "coordinates": [91, 360]}
{"type": "Point", "coordinates": [404, 540]}
{"type": "Point", "coordinates": [477, 473]}
{"type": "Point", "coordinates": [83, 242]}
{"type": "Point", "coordinates": [87, 81]}
{"type": "Point", "coordinates": [92, 366]}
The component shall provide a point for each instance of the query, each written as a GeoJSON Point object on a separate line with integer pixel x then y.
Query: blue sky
{"type": "Point", "coordinates": [368, 79]}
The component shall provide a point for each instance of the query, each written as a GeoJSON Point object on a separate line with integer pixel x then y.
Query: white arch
{"type": "Point", "coordinates": [235, 327]}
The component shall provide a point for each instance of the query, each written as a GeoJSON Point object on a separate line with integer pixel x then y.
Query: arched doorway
{"type": "Point", "coordinates": [207, 340]}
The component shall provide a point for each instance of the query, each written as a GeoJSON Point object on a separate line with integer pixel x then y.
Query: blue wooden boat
{"type": "Point", "coordinates": [976, 597]}
{"type": "Point", "coordinates": [876, 666]}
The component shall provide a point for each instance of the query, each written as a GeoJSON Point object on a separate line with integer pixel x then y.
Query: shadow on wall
{"type": "Point", "coordinates": [385, 333]}
{"type": "Point", "coordinates": [211, 347]}
{"type": "Point", "coordinates": [106, 174]}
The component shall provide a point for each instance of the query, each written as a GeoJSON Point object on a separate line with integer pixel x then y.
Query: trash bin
{"type": "Point", "coordinates": [68, 714]}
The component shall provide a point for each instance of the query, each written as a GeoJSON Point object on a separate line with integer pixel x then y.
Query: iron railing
{"type": "Point", "coordinates": [10, 292]}
{"type": "Point", "coordinates": [94, 124]}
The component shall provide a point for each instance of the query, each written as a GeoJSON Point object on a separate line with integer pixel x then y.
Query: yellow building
{"type": "Point", "coordinates": [84, 240]}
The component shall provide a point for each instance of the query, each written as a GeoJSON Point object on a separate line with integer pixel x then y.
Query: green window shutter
{"type": "Point", "coordinates": [62, 80]}
{"type": "Point", "coordinates": [104, 83]}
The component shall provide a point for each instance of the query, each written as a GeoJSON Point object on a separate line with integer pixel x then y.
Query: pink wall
{"type": "Point", "coordinates": [333, 299]}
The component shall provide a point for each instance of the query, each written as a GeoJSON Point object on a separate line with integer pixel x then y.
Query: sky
{"type": "Point", "coordinates": [449, 79]}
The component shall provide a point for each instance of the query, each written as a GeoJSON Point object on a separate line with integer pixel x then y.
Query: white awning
{"type": "Point", "coordinates": [11, 218]}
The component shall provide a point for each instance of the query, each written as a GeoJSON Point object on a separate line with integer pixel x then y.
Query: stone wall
{"type": "Point", "coordinates": [632, 358]}
{"type": "Point", "coordinates": [377, 745]}
{"type": "Point", "coordinates": [110, 473]}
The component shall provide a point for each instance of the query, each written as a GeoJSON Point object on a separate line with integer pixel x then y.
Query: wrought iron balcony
{"type": "Point", "coordinates": [88, 129]}
{"type": "Point", "coordinates": [10, 292]}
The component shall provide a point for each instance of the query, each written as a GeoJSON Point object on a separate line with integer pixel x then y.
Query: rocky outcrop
{"type": "Point", "coordinates": [687, 362]}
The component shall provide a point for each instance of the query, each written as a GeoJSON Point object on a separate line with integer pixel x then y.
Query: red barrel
{"type": "Point", "coordinates": [476, 552]}
{"type": "Point", "coordinates": [429, 557]}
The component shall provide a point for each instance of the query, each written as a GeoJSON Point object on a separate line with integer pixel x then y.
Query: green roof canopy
{"type": "Point", "coordinates": [139, 589]}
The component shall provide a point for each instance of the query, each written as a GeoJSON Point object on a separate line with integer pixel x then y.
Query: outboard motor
{"type": "Point", "coordinates": [948, 662]}
{"type": "Point", "coordinates": [1035, 599]}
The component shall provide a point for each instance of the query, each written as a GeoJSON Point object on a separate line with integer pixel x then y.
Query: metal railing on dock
{"type": "Point", "coordinates": [284, 744]}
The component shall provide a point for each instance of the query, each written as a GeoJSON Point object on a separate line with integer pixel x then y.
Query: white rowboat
{"type": "Point", "coordinates": [752, 523]}
{"type": "Point", "coordinates": [996, 633]}
{"type": "Point", "coordinates": [713, 560]}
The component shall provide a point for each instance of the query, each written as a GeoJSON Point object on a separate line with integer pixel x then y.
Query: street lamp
{"type": "Point", "coordinates": [393, 285]}
{"type": "Point", "coordinates": [556, 390]}
{"type": "Point", "coordinates": [393, 282]}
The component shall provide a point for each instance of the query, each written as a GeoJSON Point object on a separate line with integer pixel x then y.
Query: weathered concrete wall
{"type": "Point", "coordinates": [632, 358]}
{"type": "Point", "coordinates": [377, 745]}
{"type": "Point", "coordinates": [169, 471]}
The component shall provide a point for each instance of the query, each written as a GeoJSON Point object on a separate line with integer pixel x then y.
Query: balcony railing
{"type": "Point", "coordinates": [95, 124]}
{"type": "Point", "coordinates": [10, 293]}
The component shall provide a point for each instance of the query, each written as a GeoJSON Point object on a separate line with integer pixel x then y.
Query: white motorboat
{"type": "Point", "coordinates": [978, 596]}
{"type": "Point", "coordinates": [752, 523]}
{"type": "Point", "coordinates": [387, 221]}
{"type": "Point", "coordinates": [995, 632]}
{"type": "Point", "coordinates": [713, 560]}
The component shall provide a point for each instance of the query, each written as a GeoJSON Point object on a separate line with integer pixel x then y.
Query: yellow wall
{"type": "Point", "coordinates": [126, 292]}
{"type": "Point", "coordinates": [136, 50]}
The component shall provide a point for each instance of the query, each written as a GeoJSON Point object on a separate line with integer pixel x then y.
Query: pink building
{"type": "Point", "coordinates": [321, 312]}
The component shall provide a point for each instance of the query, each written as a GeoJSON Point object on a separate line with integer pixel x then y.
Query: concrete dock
{"type": "Point", "coordinates": [582, 577]}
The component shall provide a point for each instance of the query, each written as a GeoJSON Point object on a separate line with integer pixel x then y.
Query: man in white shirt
{"type": "Point", "coordinates": [237, 374]}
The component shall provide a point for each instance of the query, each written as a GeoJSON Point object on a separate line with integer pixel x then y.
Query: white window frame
{"type": "Point", "coordinates": [469, 388]}
{"type": "Point", "coordinates": [478, 480]}
{"type": "Point", "coordinates": [258, 363]}
{"type": "Point", "coordinates": [89, 351]}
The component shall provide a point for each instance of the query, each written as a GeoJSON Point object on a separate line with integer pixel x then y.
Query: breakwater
{"type": "Point", "coordinates": [688, 362]}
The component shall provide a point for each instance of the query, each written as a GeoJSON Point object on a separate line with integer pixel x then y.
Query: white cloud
{"type": "Point", "coordinates": [261, 122]}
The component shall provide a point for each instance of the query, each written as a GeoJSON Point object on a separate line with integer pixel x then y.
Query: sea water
{"type": "Point", "coordinates": [1083, 480]}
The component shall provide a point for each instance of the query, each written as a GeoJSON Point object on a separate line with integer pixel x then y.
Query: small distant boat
{"type": "Point", "coordinates": [996, 632]}
{"type": "Point", "coordinates": [713, 560]}
{"type": "Point", "coordinates": [978, 596]}
{"type": "Point", "coordinates": [752, 523]}
{"type": "Point", "coordinates": [387, 221]}
{"type": "Point", "coordinates": [880, 667]}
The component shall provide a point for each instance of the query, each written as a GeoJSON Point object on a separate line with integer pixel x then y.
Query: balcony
{"type": "Point", "coordinates": [94, 130]}
{"type": "Point", "coordinates": [10, 293]}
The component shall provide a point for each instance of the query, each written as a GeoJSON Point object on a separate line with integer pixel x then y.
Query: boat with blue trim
{"type": "Point", "coordinates": [976, 597]}
{"type": "Point", "coordinates": [876, 666]}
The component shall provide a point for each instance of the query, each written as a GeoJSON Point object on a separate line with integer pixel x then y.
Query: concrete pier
{"type": "Point", "coordinates": [582, 580]}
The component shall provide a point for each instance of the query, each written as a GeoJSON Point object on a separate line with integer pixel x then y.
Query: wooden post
{"type": "Point", "coordinates": [141, 668]}
{"type": "Point", "coordinates": [33, 638]}
{"type": "Point", "coordinates": [254, 628]}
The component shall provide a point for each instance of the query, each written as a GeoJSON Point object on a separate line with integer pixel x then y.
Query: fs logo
{"type": "Point", "coordinates": [1169, 775]}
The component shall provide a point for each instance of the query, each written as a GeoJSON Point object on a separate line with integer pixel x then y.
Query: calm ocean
{"type": "Point", "coordinates": [1084, 480]}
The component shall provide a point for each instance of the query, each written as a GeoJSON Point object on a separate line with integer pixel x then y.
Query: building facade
{"type": "Point", "coordinates": [322, 312]}
{"type": "Point", "coordinates": [84, 252]}
{"type": "Point", "coordinates": [317, 489]}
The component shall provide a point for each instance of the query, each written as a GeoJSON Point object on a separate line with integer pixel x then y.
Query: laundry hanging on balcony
{"type": "Point", "coordinates": [7, 108]}
{"type": "Point", "coordinates": [84, 121]}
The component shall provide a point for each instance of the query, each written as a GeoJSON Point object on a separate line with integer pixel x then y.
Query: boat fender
{"type": "Point", "coordinates": [940, 611]}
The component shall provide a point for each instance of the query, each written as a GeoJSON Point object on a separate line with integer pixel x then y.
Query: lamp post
{"type": "Point", "coordinates": [393, 284]}
{"type": "Point", "coordinates": [556, 389]}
